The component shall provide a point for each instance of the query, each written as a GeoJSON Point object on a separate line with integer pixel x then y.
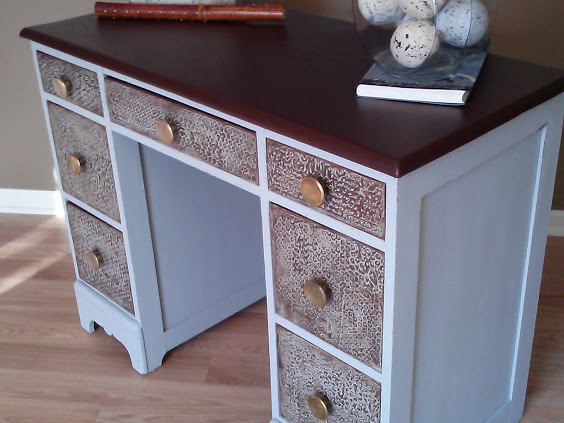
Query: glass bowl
{"type": "Point", "coordinates": [424, 39]}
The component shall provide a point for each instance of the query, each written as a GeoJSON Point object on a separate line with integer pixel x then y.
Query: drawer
{"type": "Point", "coordinates": [335, 191]}
{"type": "Point", "coordinates": [305, 370]}
{"type": "Point", "coordinates": [328, 284]}
{"type": "Point", "coordinates": [83, 156]}
{"type": "Point", "coordinates": [100, 256]}
{"type": "Point", "coordinates": [71, 82]}
{"type": "Point", "coordinates": [222, 144]}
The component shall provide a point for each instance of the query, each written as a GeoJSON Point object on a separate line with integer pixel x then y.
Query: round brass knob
{"type": "Point", "coordinates": [61, 86]}
{"type": "Point", "coordinates": [75, 163]}
{"type": "Point", "coordinates": [317, 292]}
{"type": "Point", "coordinates": [313, 191]}
{"type": "Point", "coordinates": [166, 131]}
{"type": "Point", "coordinates": [319, 406]}
{"type": "Point", "coordinates": [95, 259]}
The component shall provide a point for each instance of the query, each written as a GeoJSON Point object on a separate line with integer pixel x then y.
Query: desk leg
{"type": "Point", "coordinates": [92, 307]}
{"type": "Point", "coordinates": [132, 197]}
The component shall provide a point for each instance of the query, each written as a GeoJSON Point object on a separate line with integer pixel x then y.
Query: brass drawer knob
{"type": "Point", "coordinates": [76, 163]}
{"type": "Point", "coordinates": [95, 259]}
{"type": "Point", "coordinates": [319, 406]}
{"type": "Point", "coordinates": [317, 292]}
{"type": "Point", "coordinates": [166, 131]}
{"type": "Point", "coordinates": [61, 86]}
{"type": "Point", "coordinates": [313, 191]}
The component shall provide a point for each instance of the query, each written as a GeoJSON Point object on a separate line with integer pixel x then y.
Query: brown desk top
{"type": "Point", "coordinates": [299, 79]}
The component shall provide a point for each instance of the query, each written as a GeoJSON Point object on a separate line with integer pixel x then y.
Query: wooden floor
{"type": "Point", "coordinates": [51, 370]}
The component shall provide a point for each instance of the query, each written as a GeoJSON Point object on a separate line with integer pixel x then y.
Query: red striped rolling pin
{"type": "Point", "coordinates": [198, 12]}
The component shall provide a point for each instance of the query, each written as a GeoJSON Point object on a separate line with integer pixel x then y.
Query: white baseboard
{"type": "Point", "coordinates": [556, 225]}
{"type": "Point", "coordinates": [27, 201]}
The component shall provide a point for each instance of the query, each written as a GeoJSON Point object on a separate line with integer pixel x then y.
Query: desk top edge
{"type": "Point", "coordinates": [370, 132]}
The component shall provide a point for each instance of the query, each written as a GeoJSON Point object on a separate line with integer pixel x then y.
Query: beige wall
{"type": "Point", "coordinates": [531, 30]}
{"type": "Point", "coordinates": [527, 29]}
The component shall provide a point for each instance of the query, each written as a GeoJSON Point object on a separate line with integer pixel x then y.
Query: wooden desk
{"type": "Point", "coordinates": [182, 148]}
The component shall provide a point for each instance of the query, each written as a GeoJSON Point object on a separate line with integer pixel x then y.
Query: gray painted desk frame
{"type": "Point", "coordinates": [417, 266]}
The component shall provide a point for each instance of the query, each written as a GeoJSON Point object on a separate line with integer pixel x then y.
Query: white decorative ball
{"type": "Point", "coordinates": [413, 42]}
{"type": "Point", "coordinates": [463, 22]}
{"type": "Point", "coordinates": [380, 12]}
{"type": "Point", "coordinates": [421, 9]}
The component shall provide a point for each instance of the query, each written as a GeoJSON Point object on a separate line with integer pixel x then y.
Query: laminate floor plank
{"type": "Point", "coordinates": [51, 370]}
{"type": "Point", "coordinates": [30, 410]}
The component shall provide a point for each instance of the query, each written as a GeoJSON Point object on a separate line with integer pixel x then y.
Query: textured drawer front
{"type": "Point", "coordinates": [306, 370]}
{"type": "Point", "coordinates": [91, 234]}
{"type": "Point", "coordinates": [355, 199]}
{"type": "Point", "coordinates": [303, 250]}
{"type": "Point", "coordinates": [78, 136]}
{"type": "Point", "coordinates": [84, 90]}
{"type": "Point", "coordinates": [209, 139]}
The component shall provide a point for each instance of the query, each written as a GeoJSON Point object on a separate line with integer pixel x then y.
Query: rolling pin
{"type": "Point", "coordinates": [197, 12]}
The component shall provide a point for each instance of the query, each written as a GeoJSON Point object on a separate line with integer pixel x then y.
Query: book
{"type": "Point", "coordinates": [453, 89]}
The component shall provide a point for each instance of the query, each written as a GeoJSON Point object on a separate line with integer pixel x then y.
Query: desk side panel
{"type": "Point", "coordinates": [474, 239]}
{"type": "Point", "coordinates": [472, 228]}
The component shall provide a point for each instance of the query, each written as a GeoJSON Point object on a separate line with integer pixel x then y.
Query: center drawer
{"type": "Point", "coordinates": [328, 284]}
{"type": "Point", "coordinates": [212, 140]}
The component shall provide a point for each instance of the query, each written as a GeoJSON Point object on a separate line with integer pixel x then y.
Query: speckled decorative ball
{"type": "Point", "coordinates": [463, 22]}
{"type": "Point", "coordinates": [380, 12]}
{"type": "Point", "coordinates": [413, 42]}
{"type": "Point", "coordinates": [421, 9]}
